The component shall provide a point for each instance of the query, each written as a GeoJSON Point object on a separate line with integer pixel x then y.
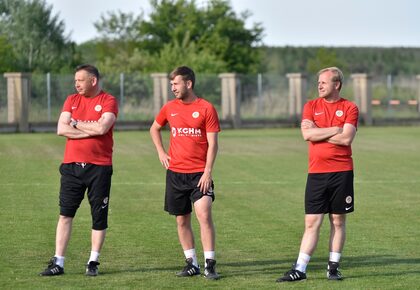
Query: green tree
{"type": "Point", "coordinates": [7, 58]}
{"type": "Point", "coordinates": [215, 29]}
{"type": "Point", "coordinates": [324, 58]}
{"type": "Point", "coordinates": [36, 36]}
{"type": "Point", "coordinates": [209, 38]}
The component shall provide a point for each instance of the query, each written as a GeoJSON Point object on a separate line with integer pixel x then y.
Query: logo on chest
{"type": "Point", "coordinates": [186, 132]}
{"type": "Point", "coordinates": [339, 113]}
{"type": "Point", "coordinates": [98, 108]}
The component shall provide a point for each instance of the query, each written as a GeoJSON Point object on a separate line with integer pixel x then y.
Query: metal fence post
{"type": "Point", "coordinates": [260, 95]}
{"type": "Point", "coordinates": [121, 110]}
{"type": "Point", "coordinates": [49, 96]}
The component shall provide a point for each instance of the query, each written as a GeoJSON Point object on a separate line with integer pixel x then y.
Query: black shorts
{"type": "Point", "coordinates": [329, 193]}
{"type": "Point", "coordinates": [75, 179]}
{"type": "Point", "coordinates": [182, 191]}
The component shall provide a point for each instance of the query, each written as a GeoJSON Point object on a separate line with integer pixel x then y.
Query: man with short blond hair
{"type": "Point", "coordinates": [329, 126]}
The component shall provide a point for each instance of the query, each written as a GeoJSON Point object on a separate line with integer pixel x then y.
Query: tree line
{"type": "Point", "coordinates": [211, 38]}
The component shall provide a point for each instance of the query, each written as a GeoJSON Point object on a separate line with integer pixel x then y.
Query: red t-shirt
{"type": "Point", "coordinates": [97, 149]}
{"type": "Point", "coordinates": [189, 124]}
{"type": "Point", "coordinates": [323, 156]}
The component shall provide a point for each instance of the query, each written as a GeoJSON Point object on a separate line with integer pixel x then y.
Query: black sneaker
{"type": "Point", "coordinates": [189, 269]}
{"type": "Point", "coordinates": [292, 275]}
{"type": "Point", "coordinates": [332, 272]}
{"type": "Point", "coordinates": [92, 268]}
{"type": "Point", "coordinates": [52, 269]}
{"type": "Point", "coordinates": [210, 270]}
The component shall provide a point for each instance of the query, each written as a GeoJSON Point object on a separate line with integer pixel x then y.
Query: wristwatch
{"type": "Point", "coordinates": [74, 124]}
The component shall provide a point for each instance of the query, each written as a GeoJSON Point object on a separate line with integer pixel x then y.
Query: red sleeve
{"type": "Point", "coordinates": [353, 115]}
{"type": "Point", "coordinates": [111, 106]}
{"type": "Point", "coordinates": [161, 118]}
{"type": "Point", "coordinates": [307, 112]}
{"type": "Point", "coordinates": [67, 104]}
{"type": "Point", "coordinates": [212, 120]}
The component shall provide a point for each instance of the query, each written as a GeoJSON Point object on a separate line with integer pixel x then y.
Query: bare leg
{"type": "Point", "coordinates": [62, 236]}
{"type": "Point", "coordinates": [98, 239]}
{"type": "Point", "coordinates": [185, 233]}
{"type": "Point", "coordinates": [310, 237]}
{"type": "Point", "coordinates": [203, 212]}
{"type": "Point", "coordinates": [338, 232]}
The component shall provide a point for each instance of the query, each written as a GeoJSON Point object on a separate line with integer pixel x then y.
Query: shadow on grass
{"type": "Point", "coordinates": [278, 267]}
{"type": "Point", "coordinates": [143, 270]}
{"type": "Point", "coordinates": [269, 267]}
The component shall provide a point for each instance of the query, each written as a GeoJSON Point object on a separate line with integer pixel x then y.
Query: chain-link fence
{"type": "Point", "coordinates": [263, 96]}
{"type": "Point", "coordinates": [394, 97]}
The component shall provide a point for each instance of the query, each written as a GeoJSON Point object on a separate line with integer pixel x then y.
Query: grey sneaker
{"type": "Point", "coordinates": [292, 275]}
{"type": "Point", "coordinates": [333, 273]}
{"type": "Point", "coordinates": [189, 269]}
{"type": "Point", "coordinates": [210, 270]}
{"type": "Point", "coordinates": [92, 268]}
{"type": "Point", "coordinates": [52, 269]}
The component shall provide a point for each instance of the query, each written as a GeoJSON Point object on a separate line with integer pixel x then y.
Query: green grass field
{"type": "Point", "coordinates": [259, 182]}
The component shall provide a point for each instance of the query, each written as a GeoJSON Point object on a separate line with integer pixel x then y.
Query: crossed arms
{"type": "Point", "coordinates": [84, 129]}
{"type": "Point", "coordinates": [334, 135]}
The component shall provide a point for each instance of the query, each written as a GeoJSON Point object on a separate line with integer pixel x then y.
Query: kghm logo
{"type": "Point", "coordinates": [186, 132]}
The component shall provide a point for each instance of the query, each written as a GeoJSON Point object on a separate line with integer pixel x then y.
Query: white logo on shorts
{"type": "Point", "coordinates": [105, 202]}
{"type": "Point", "coordinates": [349, 199]}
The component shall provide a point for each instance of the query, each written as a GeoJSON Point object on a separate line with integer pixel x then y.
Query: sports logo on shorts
{"type": "Point", "coordinates": [195, 115]}
{"type": "Point", "coordinates": [98, 108]}
{"type": "Point", "coordinates": [339, 113]}
{"type": "Point", "coordinates": [349, 199]}
{"type": "Point", "coordinates": [210, 191]}
{"type": "Point", "coordinates": [105, 202]}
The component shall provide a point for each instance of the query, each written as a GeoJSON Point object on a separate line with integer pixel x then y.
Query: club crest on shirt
{"type": "Point", "coordinates": [98, 108]}
{"type": "Point", "coordinates": [349, 199]}
{"type": "Point", "coordinates": [195, 115]}
{"type": "Point", "coordinates": [339, 113]}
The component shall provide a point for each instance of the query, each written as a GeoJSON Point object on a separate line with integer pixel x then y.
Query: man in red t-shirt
{"type": "Point", "coordinates": [193, 147]}
{"type": "Point", "coordinates": [87, 121]}
{"type": "Point", "coordinates": [329, 125]}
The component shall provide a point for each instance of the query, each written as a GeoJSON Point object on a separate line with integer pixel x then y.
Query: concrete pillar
{"type": "Point", "coordinates": [160, 90]}
{"type": "Point", "coordinates": [297, 95]}
{"type": "Point", "coordinates": [418, 93]}
{"type": "Point", "coordinates": [362, 90]}
{"type": "Point", "coordinates": [231, 98]}
{"type": "Point", "coordinates": [18, 96]}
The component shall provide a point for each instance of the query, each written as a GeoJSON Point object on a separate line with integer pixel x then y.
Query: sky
{"type": "Point", "coordinates": [379, 23]}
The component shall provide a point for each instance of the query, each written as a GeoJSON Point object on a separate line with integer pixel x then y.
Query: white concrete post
{"type": "Point", "coordinates": [362, 90]}
{"type": "Point", "coordinates": [231, 98]}
{"type": "Point", "coordinates": [160, 90]}
{"type": "Point", "coordinates": [18, 96]}
{"type": "Point", "coordinates": [297, 94]}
